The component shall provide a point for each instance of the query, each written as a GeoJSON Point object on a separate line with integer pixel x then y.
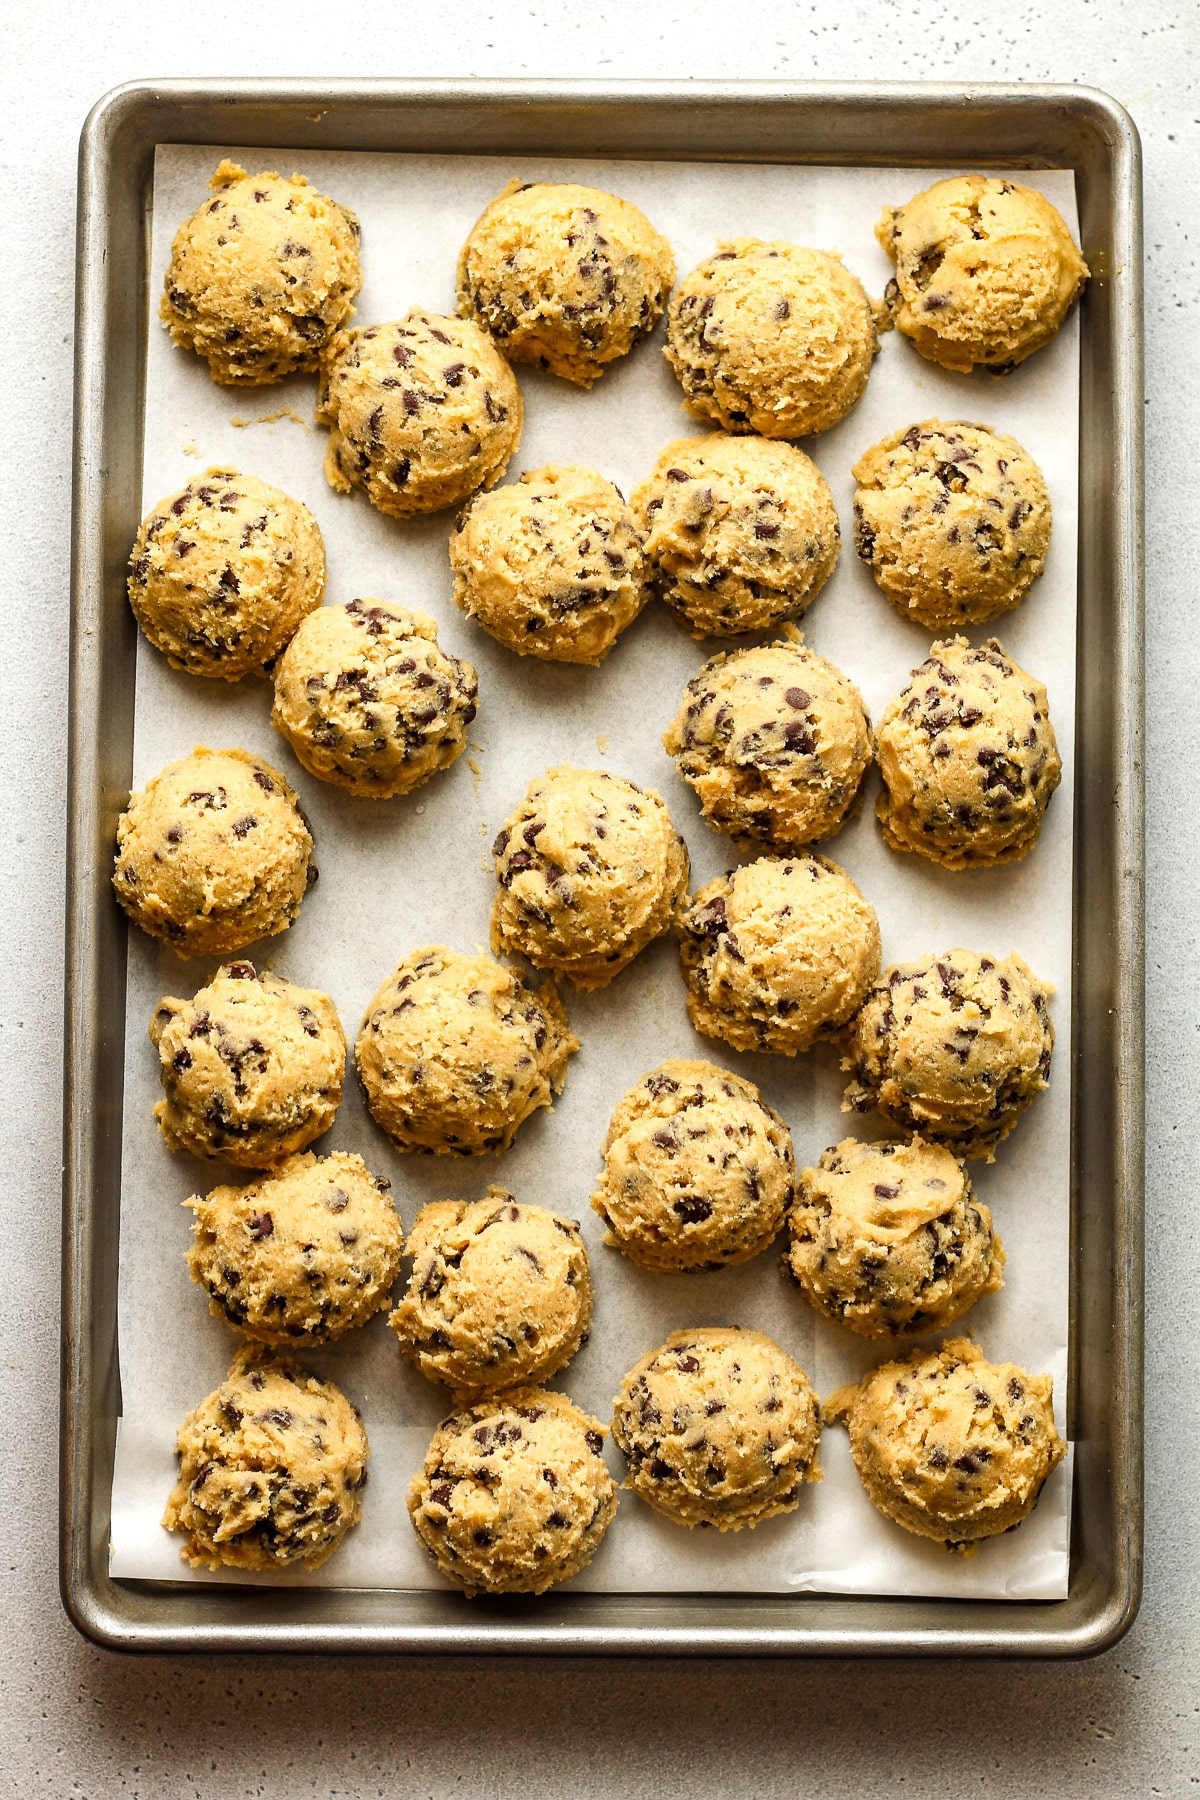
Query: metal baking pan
{"type": "Point", "coordinates": [763, 122]}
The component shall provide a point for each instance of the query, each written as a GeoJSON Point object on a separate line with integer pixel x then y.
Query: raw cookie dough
{"type": "Point", "coordinates": [214, 853]}
{"type": "Point", "coordinates": [954, 1047]}
{"type": "Point", "coordinates": [968, 758]}
{"type": "Point", "coordinates": [775, 742]}
{"type": "Point", "coordinates": [515, 1494]}
{"type": "Point", "coordinates": [949, 1445]}
{"type": "Point", "coordinates": [551, 565]}
{"type": "Point", "coordinates": [953, 521]}
{"type": "Point", "coordinates": [590, 870]}
{"type": "Point", "coordinates": [306, 1253]}
{"type": "Point", "coordinates": [772, 338]}
{"type": "Point", "coordinates": [271, 1468]}
{"type": "Point", "coordinates": [778, 954]}
{"type": "Point", "coordinates": [222, 573]}
{"type": "Point", "coordinates": [499, 1296]}
{"type": "Point", "coordinates": [985, 271]}
{"type": "Point", "coordinates": [368, 699]}
{"type": "Point", "coordinates": [421, 412]}
{"type": "Point", "coordinates": [251, 1067]}
{"type": "Point", "coordinates": [889, 1238]}
{"type": "Point", "coordinates": [720, 1427]}
{"type": "Point", "coordinates": [566, 276]}
{"type": "Point", "coordinates": [698, 1169]}
{"type": "Point", "coordinates": [455, 1052]}
{"type": "Point", "coordinates": [740, 534]}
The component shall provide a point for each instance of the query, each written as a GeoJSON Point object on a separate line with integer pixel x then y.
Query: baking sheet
{"type": "Point", "coordinates": [402, 873]}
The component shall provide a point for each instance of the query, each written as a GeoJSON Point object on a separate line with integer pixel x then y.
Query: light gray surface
{"type": "Point", "coordinates": [74, 1720]}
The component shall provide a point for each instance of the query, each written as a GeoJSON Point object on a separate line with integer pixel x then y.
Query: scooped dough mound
{"type": "Point", "coordinates": [214, 853]}
{"type": "Point", "coordinates": [954, 1047]}
{"type": "Point", "coordinates": [306, 1253]}
{"type": "Point", "coordinates": [985, 271]}
{"type": "Point", "coordinates": [500, 1294]}
{"type": "Point", "coordinates": [772, 338]}
{"type": "Point", "coordinates": [590, 870]}
{"type": "Point", "coordinates": [368, 699]}
{"type": "Point", "coordinates": [251, 1067]}
{"type": "Point", "coordinates": [270, 1471]}
{"type": "Point", "coordinates": [698, 1169]}
{"type": "Point", "coordinates": [775, 742]}
{"type": "Point", "coordinates": [949, 1445]}
{"type": "Point", "coordinates": [261, 276]}
{"type": "Point", "coordinates": [889, 1238]}
{"type": "Point", "coordinates": [953, 521]}
{"type": "Point", "coordinates": [222, 573]}
{"type": "Point", "coordinates": [740, 534]}
{"type": "Point", "coordinates": [778, 954]}
{"type": "Point", "coordinates": [720, 1427]}
{"type": "Point", "coordinates": [455, 1052]}
{"type": "Point", "coordinates": [551, 565]}
{"type": "Point", "coordinates": [515, 1494]}
{"type": "Point", "coordinates": [566, 276]}
{"type": "Point", "coordinates": [968, 758]}
{"type": "Point", "coordinates": [421, 412]}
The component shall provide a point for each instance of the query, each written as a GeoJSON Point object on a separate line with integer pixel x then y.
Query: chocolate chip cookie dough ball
{"type": "Point", "coordinates": [889, 1238]}
{"type": "Point", "coordinates": [954, 1047]}
{"type": "Point", "coordinates": [566, 276]}
{"type": "Point", "coordinates": [270, 1469]}
{"type": "Point", "coordinates": [421, 412]}
{"type": "Point", "coordinates": [261, 276]}
{"type": "Point", "coordinates": [552, 565]}
{"type": "Point", "coordinates": [778, 954]}
{"type": "Point", "coordinates": [590, 870]}
{"type": "Point", "coordinates": [368, 699]}
{"type": "Point", "coordinates": [222, 573]}
{"type": "Point", "coordinates": [951, 1446]}
{"type": "Point", "coordinates": [740, 534]}
{"type": "Point", "coordinates": [251, 1067]}
{"type": "Point", "coordinates": [985, 271]}
{"type": "Point", "coordinates": [720, 1427]}
{"type": "Point", "coordinates": [515, 1494]}
{"type": "Point", "coordinates": [455, 1052]}
{"type": "Point", "coordinates": [698, 1169]}
{"type": "Point", "coordinates": [214, 853]}
{"type": "Point", "coordinates": [968, 758]}
{"type": "Point", "coordinates": [772, 338]}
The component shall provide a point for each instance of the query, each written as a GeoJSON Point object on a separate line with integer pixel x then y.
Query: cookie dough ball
{"type": "Point", "coordinates": [954, 1047]}
{"type": "Point", "coordinates": [566, 276]}
{"type": "Point", "coordinates": [271, 1467]}
{"type": "Point", "coordinates": [949, 1445]}
{"type": "Point", "coordinates": [698, 1169]}
{"type": "Point", "coordinates": [771, 338]}
{"type": "Point", "coordinates": [455, 1052]}
{"type": "Point", "coordinates": [968, 758]}
{"type": "Point", "coordinates": [740, 534]}
{"type": "Point", "coordinates": [421, 412]}
{"type": "Point", "coordinates": [306, 1253]}
{"type": "Point", "coordinates": [889, 1238]}
{"type": "Point", "coordinates": [261, 276]}
{"type": "Point", "coordinates": [720, 1427]}
{"type": "Point", "coordinates": [953, 521]}
{"type": "Point", "coordinates": [515, 1494]}
{"type": "Point", "coordinates": [368, 699]}
{"type": "Point", "coordinates": [500, 1294]}
{"type": "Point", "coordinates": [775, 741]}
{"type": "Point", "coordinates": [251, 1067]}
{"type": "Point", "coordinates": [778, 954]}
{"type": "Point", "coordinates": [214, 853]}
{"type": "Point", "coordinates": [985, 271]}
{"type": "Point", "coordinates": [551, 566]}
